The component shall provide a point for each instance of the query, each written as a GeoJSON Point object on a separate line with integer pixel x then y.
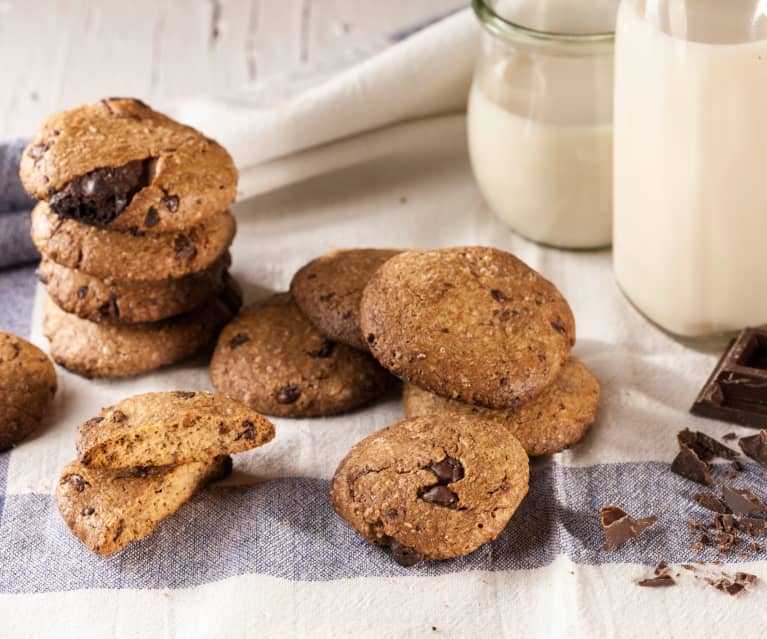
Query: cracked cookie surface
{"type": "Point", "coordinates": [273, 359]}
{"type": "Point", "coordinates": [174, 427]}
{"type": "Point", "coordinates": [432, 487]}
{"type": "Point", "coordinates": [107, 349]}
{"type": "Point", "coordinates": [107, 509]}
{"type": "Point", "coordinates": [126, 302]}
{"type": "Point", "coordinates": [558, 418]}
{"type": "Point", "coordinates": [27, 386]}
{"type": "Point", "coordinates": [118, 164]}
{"type": "Point", "coordinates": [329, 290]}
{"type": "Point", "coordinates": [131, 257]}
{"type": "Point", "coordinates": [469, 323]}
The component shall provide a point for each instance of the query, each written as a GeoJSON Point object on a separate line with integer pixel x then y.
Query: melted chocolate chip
{"type": "Point", "coordinates": [403, 555]}
{"type": "Point", "coordinates": [326, 350]}
{"type": "Point", "coordinates": [184, 394]}
{"type": "Point", "coordinates": [372, 340]}
{"type": "Point", "coordinates": [440, 495]}
{"type": "Point", "coordinates": [113, 307]}
{"type": "Point", "coordinates": [499, 296]}
{"type": "Point", "coordinates": [77, 482]}
{"type": "Point", "coordinates": [249, 432]}
{"type": "Point", "coordinates": [98, 197]}
{"type": "Point", "coordinates": [93, 421]}
{"type": "Point", "coordinates": [82, 292]}
{"type": "Point", "coordinates": [238, 340]}
{"type": "Point", "coordinates": [85, 512]}
{"type": "Point", "coordinates": [38, 150]}
{"type": "Point", "coordinates": [118, 416]}
{"type": "Point", "coordinates": [183, 248]}
{"type": "Point", "coordinates": [152, 218]}
{"type": "Point", "coordinates": [170, 202]}
{"type": "Point", "coordinates": [448, 470]}
{"type": "Point", "coordinates": [558, 327]}
{"type": "Point", "coordinates": [288, 394]}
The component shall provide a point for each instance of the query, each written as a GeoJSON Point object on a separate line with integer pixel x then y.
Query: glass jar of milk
{"type": "Point", "coordinates": [540, 117]}
{"type": "Point", "coordinates": [691, 162]}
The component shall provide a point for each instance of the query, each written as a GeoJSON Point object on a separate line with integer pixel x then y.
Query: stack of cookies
{"type": "Point", "coordinates": [140, 460]}
{"type": "Point", "coordinates": [134, 232]}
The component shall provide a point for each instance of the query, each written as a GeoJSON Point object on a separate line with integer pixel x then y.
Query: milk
{"type": "Point", "coordinates": [540, 126]}
{"type": "Point", "coordinates": [691, 164]}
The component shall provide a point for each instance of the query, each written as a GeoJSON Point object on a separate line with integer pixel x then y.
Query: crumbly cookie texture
{"type": "Point", "coordinates": [27, 386]}
{"type": "Point", "coordinates": [107, 349]}
{"type": "Point", "coordinates": [176, 427]}
{"type": "Point", "coordinates": [129, 256]}
{"type": "Point", "coordinates": [470, 323]}
{"type": "Point", "coordinates": [120, 165]}
{"type": "Point", "coordinates": [273, 359]}
{"type": "Point", "coordinates": [329, 290]}
{"type": "Point", "coordinates": [555, 420]}
{"type": "Point", "coordinates": [126, 302]}
{"type": "Point", "coordinates": [432, 487]}
{"type": "Point", "coordinates": [107, 509]}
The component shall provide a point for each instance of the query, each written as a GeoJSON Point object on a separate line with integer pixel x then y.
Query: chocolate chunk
{"type": "Point", "coordinates": [448, 470]}
{"type": "Point", "coordinates": [711, 501]}
{"type": "Point", "coordinates": [755, 447]}
{"type": "Point", "coordinates": [662, 568]}
{"type": "Point", "coordinates": [249, 432]}
{"type": "Point", "coordinates": [98, 197]}
{"type": "Point", "coordinates": [86, 512]}
{"type": "Point", "coordinates": [707, 448]}
{"type": "Point", "coordinates": [238, 340]}
{"type": "Point", "coordinates": [77, 482]}
{"type": "Point", "coordinates": [619, 526]}
{"type": "Point", "coordinates": [689, 465]}
{"type": "Point", "coordinates": [663, 581]}
{"type": "Point", "coordinates": [440, 495]}
{"type": "Point", "coordinates": [288, 394]}
{"type": "Point", "coordinates": [170, 202]}
{"type": "Point", "coordinates": [742, 502]}
{"type": "Point", "coordinates": [752, 526]}
{"type": "Point", "coordinates": [736, 391]}
{"type": "Point", "coordinates": [499, 296]}
{"type": "Point", "coordinates": [183, 248]}
{"type": "Point", "coordinates": [724, 522]}
{"type": "Point", "coordinates": [184, 394]}
{"type": "Point", "coordinates": [152, 218]}
{"type": "Point", "coordinates": [403, 555]}
{"type": "Point", "coordinates": [326, 350]}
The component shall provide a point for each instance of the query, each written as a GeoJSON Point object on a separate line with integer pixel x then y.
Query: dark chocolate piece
{"type": "Point", "coordinates": [440, 495]}
{"type": "Point", "coordinates": [711, 502]}
{"type": "Point", "coordinates": [755, 447]}
{"type": "Point", "coordinates": [403, 555]}
{"type": "Point", "coordinates": [742, 502]}
{"type": "Point", "coordinates": [663, 581]}
{"type": "Point", "coordinates": [725, 523]}
{"type": "Point", "coordinates": [689, 465]}
{"type": "Point", "coordinates": [707, 448]}
{"type": "Point", "coordinates": [619, 526]}
{"type": "Point", "coordinates": [448, 470]}
{"type": "Point", "coordinates": [98, 197]}
{"type": "Point", "coordinates": [736, 391]}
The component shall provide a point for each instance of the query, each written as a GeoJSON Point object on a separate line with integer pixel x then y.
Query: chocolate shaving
{"type": "Point", "coordinates": [619, 526]}
{"type": "Point", "coordinates": [663, 581]}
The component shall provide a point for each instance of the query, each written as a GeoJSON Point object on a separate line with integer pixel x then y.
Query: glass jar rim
{"type": "Point", "coordinates": [505, 28]}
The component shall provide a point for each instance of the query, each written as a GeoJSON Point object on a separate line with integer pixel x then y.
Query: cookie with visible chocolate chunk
{"type": "Point", "coordinates": [107, 349]}
{"type": "Point", "coordinates": [273, 359]}
{"type": "Point", "coordinates": [107, 509]}
{"type": "Point", "coordinates": [175, 427]}
{"type": "Point", "coordinates": [127, 302]}
{"type": "Point", "coordinates": [329, 289]}
{"type": "Point", "coordinates": [432, 487]}
{"type": "Point", "coordinates": [131, 256]}
{"type": "Point", "coordinates": [557, 419]}
{"type": "Point", "coordinates": [27, 386]}
{"type": "Point", "coordinates": [119, 165]}
{"type": "Point", "coordinates": [469, 323]}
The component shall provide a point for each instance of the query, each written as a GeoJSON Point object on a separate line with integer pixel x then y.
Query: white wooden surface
{"type": "Point", "coordinates": [56, 54]}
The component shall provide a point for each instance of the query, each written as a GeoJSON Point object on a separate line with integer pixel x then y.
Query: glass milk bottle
{"type": "Point", "coordinates": [540, 117]}
{"type": "Point", "coordinates": [691, 162]}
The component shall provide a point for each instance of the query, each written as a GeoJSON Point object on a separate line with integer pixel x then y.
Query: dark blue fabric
{"type": "Point", "coordinates": [15, 205]}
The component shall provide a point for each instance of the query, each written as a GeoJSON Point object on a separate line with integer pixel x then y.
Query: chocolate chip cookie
{"type": "Point", "coordinates": [329, 289]}
{"type": "Point", "coordinates": [176, 427]}
{"type": "Point", "coordinates": [432, 487]}
{"type": "Point", "coordinates": [129, 302]}
{"type": "Point", "coordinates": [558, 418]}
{"type": "Point", "coordinates": [472, 323]}
{"type": "Point", "coordinates": [131, 256]}
{"type": "Point", "coordinates": [120, 165]}
{"type": "Point", "coordinates": [27, 386]}
{"type": "Point", "coordinates": [272, 358]}
{"type": "Point", "coordinates": [107, 509]}
{"type": "Point", "coordinates": [108, 349]}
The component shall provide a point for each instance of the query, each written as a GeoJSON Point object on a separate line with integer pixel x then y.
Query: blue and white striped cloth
{"type": "Point", "coordinates": [263, 554]}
